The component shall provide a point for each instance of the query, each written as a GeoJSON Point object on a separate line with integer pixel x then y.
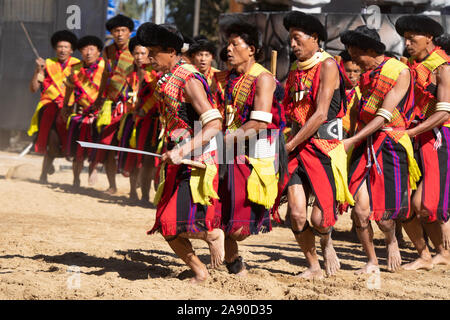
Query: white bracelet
{"type": "Point", "coordinates": [261, 116]}
{"type": "Point", "coordinates": [385, 114]}
{"type": "Point", "coordinates": [209, 116]}
{"type": "Point", "coordinates": [443, 106]}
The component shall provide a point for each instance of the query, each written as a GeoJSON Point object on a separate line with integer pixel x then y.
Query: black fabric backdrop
{"type": "Point", "coordinates": [17, 60]}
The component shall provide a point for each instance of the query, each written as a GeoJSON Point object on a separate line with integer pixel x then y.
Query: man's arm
{"type": "Point", "coordinates": [390, 102]}
{"type": "Point", "coordinates": [329, 77]}
{"type": "Point", "coordinates": [196, 95]}
{"type": "Point", "coordinates": [38, 75]}
{"type": "Point", "coordinates": [443, 95]}
{"type": "Point", "coordinates": [265, 88]}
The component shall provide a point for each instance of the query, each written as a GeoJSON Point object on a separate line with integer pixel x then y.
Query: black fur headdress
{"type": "Point", "coordinates": [305, 22]}
{"type": "Point", "coordinates": [364, 38]}
{"type": "Point", "coordinates": [64, 35]}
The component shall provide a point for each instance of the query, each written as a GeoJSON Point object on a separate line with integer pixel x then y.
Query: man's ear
{"type": "Point", "coordinates": [252, 50]}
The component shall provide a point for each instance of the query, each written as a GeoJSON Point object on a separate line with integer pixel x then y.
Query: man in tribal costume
{"type": "Point", "coordinates": [83, 86]}
{"type": "Point", "coordinates": [431, 134]}
{"type": "Point", "coordinates": [114, 93]}
{"type": "Point", "coordinates": [186, 195]}
{"type": "Point", "coordinates": [315, 102]}
{"type": "Point", "coordinates": [139, 128]}
{"type": "Point", "coordinates": [47, 121]}
{"type": "Point", "coordinates": [250, 98]}
{"type": "Point", "coordinates": [382, 171]}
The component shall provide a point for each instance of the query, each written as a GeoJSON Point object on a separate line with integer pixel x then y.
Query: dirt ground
{"type": "Point", "coordinates": [60, 243]}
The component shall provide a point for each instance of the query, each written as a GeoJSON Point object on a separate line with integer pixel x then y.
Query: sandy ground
{"type": "Point", "coordinates": [61, 243]}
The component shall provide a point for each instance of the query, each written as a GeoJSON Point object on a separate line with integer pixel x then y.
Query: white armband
{"type": "Point", "coordinates": [443, 106]}
{"type": "Point", "coordinates": [261, 116]}
{"type": "Point", "coordinates": [387, 115]}
{"type": "Point", "coordinates": [209, 116]}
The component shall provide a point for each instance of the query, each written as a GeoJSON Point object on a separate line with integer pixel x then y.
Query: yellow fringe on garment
{"type": "Point", "coordinates": [34, 125]}
{"type": "Point", "coordinates": [413, 168]}
{"type": "Point", "coordinates": [339, 166]}
{"type": "Point", "coordinates": [201, 183]}
{"type": "Point", "coordinates": [70, 119]}
{"type": "Point", "coordinates": [104, 115]}
{"type": "Point", "coordinates": [133, 140]}
{"type": "Point", "coordinates": [160, 189]}
{"type": "Point", "coordinates": [121, 126]}
{"type": "Point", "coordinates": [262, 184]}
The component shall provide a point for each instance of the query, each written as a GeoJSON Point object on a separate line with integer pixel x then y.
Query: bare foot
{"type": "Point", "coordinates": [420, 263]}
{"type": "Point", "coordinates": [442, 259]}
{"type": "Point", "coordinates": [216, 243]}
{"type": "Point", "coordinates": [76, 182]}
{"type": "Point", "coordinates": [394, 260]}
{"type": "Point", "coordinates": [92, 180]}
{"type": "Point", "coordinates": [369, 268]}
{"type": "Point", "coordinates": [200, 276]}
{"type": "Point", "coordinates": [111, 191]}
{"type": "Point", "coordinates": [332, 264]}
{"type": "Point", "coordinates": [311, 274]}
{"type": "Point", "coordinates": [445, 227]}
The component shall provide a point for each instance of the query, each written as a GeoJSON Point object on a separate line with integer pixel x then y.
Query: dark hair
{"type": "Point", "coordinates": [64, 35]}
{"type": "Point", "coordinates": [90, 40]}
{"type": "Point", "coordinates": [363, 38]}
{"type": "Point", "coordinates": [223, 54]}
{"type": "Point", "coordinates": [120, 21]}
{"type": "Point", "coordinates": [443, 41]}
{"type": "Point", "coordinates": [248, 32]}
{"type": "Point", "coordinates": [345, 56]}
{"type": "Point", "coordinates": [165, 36]}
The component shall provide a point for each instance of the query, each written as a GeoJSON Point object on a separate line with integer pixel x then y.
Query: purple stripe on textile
{"type": "Point", "coordinates": [397, 177]}
{"type": "Point", "coordinates": [447, 180]}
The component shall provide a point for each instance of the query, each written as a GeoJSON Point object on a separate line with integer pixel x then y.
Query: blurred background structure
{"type": "Point", "coordinates": [192, 17]}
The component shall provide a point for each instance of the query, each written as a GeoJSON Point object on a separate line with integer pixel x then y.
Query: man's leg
{"type": "Point", "coordinates": [361, 214]}
{"type": "Point", "coordinates": [414, 230]}
{"type": "Point", "coordinates": [331, 261]}
{"type": "Point", "coordinates": [302, 231]}
{"type": "Point", "coordinates": [77, 167]}
{"type": "Point", "coordinates": [445, 229]}
{"type": "Point", "coordinates": [234, 262]}
{"type": "Point", "coordinates": [133, 184]}
{"type": "Point", "coordinates": [434, 231]}
{"type": "Point", "coordinates": [183, 249]}
{"type": "Point", "coordinates": [216, 243]}
{"type": "Point", "coordinates": [93, 174]}
{"type": "Point", "coordinates": [111, 170]}
{"type": "Point", "coordinates": [52, 151]}
{"type": "Point", "coordinates": [147, 176]}
{"type": "Point", "coordinates": [394, 259]}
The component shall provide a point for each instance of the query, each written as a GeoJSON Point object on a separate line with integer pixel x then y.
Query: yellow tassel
{"type": "Point", "coordinates": [413, 168]}
{"type": "Point", "coordinates": [201, 183]}
{"type": "Point", "coordinates": [133, 142]}
{"type": "Point", "coordinates": [34, 125]}
{"type": "Point", "coordinates": [262, 184]}
{"type": "Point", "coordinates": [160, 189]}
{"type": "Point", "coordinates": [70, 119]}
{"type": "Point", "coordinates": [104, 115]}
{"type": "Point", "coordinates": [339, 166]}
{"type": "Point", "coordinates": [121, 126]}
